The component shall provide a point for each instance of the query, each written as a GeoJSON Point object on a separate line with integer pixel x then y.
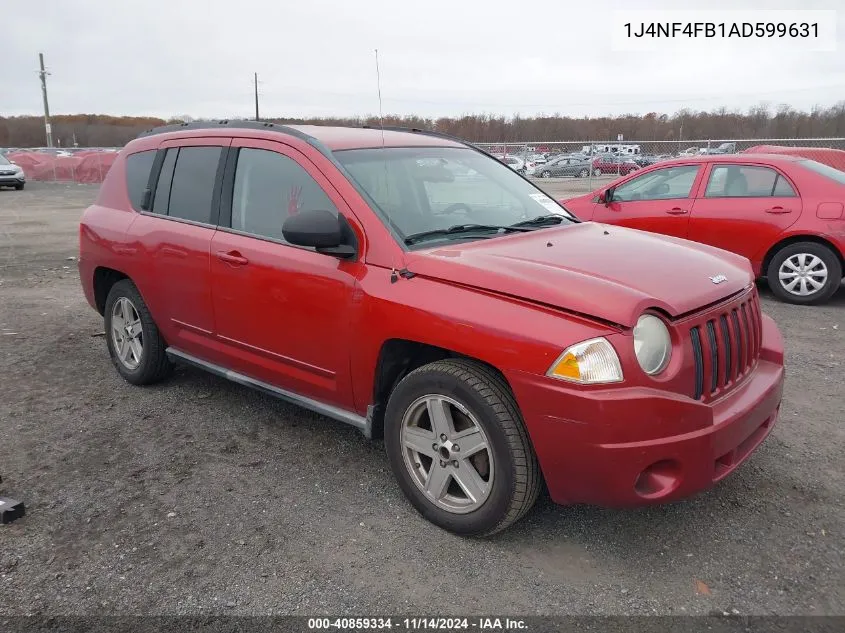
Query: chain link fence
{"type": "Point", "coordinates": [570, 168]}
{"type": "Point", "coordinates": [82, 165]}
{"type": "Point", "coordinates": [566, 167]}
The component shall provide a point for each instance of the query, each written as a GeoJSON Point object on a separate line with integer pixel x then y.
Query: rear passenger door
{"type": "Point", "coordinates": [743, 208]}
{"type": "Point", "coordinates": [282, 311]}
{"type": "Point", "coordinates": [175, 232]}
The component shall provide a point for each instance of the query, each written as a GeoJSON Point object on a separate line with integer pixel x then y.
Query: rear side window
{"type": "Point", "coordinates": [138, 168]}
{"type": "Point", "coordinates": [192, 189]}
{"type": "Point", "coordinates": [745, 181]}
{"type": "Point", "coordinates": [270, 187]}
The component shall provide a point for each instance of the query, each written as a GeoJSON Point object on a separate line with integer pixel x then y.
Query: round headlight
{"type": "Point", "coordinates": [652, 344]}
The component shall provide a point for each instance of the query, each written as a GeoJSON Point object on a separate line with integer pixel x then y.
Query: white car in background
{"type": "Point", "coordinates": [526, 168]}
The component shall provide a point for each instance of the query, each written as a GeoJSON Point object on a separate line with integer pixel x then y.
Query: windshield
{"type": "Point", "coordinates": [825, 170]}
{"type": "Point", "coordinates": [421, 189]}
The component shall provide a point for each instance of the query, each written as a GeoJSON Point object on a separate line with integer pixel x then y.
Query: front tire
{"type": "Point", "coordinates": [583, 173]}
{"type": "Point", "coordinates": [597, 172]}
{"type": "Point", "coordinates": [19, 186]}
{"type": "Point", "coordinates": [135, 345]}
{"type": "Point", "coordinates": [458, 447]}
{"type": "Point", "coordinates": [546, 174]}
{"type": "Point", "coordinates": [804, 273]}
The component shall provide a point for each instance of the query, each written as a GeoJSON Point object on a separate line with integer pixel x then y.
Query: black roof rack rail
{"type": "Point", "coordinates": [226, 123]}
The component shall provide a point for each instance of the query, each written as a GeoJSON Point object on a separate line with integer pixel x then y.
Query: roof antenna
{"type": "Point", "coordinates": [380, 111]}
{"type": "Point", "coordinates": [394, 276]}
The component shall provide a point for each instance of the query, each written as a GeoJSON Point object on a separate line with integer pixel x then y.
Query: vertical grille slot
{"type": "Point", "coordinates": [695, 336]}
{"type": "Point", "coordinates": [714, 357]}
{"type": "Point", "coordinates": [726, 344]}
{"type": "Point", "coordinates": [740, 343]}
{"type": "Point", "coordinates": [749, 335]}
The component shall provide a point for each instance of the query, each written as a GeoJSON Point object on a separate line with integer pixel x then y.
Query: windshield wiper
{"type": "Point", "coordinates": [461, 228]}
{"type": "Point", "coordinates": [542, 220]}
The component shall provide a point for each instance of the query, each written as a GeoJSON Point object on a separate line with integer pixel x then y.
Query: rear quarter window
{"type": "Point", "coordinates": [138, 167]}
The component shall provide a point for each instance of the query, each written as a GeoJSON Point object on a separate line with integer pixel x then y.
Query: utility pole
{"type": "Point", "coordinates": [43, 74]}
{"type": "Point", "coordinates": [256, 97]}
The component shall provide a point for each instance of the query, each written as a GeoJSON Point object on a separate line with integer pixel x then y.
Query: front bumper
{"type": "Point", "coordinates": [12, 179]}
{"type": "Point", "coordinates": [613, 447]}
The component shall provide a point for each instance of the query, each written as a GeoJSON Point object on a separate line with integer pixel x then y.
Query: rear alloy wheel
{"type": "Point", "coordinates": [597, 172]}
{"type": "Point", "coordinates": [546, 174]}
{"type": "Point", "coordinates": [583, 173]}
{"type": "Point", "coordinates": [804, 273]}
{"type": "Point", "coordinates": [136, 347]}
{"type": "Point", "coordinates": [458, 448]}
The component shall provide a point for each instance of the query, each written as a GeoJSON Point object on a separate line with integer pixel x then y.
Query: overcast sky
{"type": "Point", "coordinates": [437, 57]}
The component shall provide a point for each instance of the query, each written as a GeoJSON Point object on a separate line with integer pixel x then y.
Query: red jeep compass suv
{"type": "Point", "coordinates": [412, 286]}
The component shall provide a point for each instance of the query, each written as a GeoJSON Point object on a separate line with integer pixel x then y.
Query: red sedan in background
{"type": "Point", "coordinates": [784, 213]}
{"type": "Point", "coordinates": [613, 165]}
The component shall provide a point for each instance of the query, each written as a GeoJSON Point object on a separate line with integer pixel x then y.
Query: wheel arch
{"type": "Point", "coordinates": [794, 239]}
{"type": "Point", "coordinates": [104, 279]}
{"type": "Point", "coordinates": [396, 359]}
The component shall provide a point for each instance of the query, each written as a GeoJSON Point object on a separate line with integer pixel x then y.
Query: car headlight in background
{"type": "Point", "coordinates": [589, 362]}
{"type": "Point", "coordinates": [652, 344]}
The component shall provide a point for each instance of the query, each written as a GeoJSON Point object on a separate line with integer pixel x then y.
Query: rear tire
{"type": "Point", "coordinates": [546, 174]}
{"type": "Point", "coordinates": [795, 271]}
{"type": "Point", "coordinates": [138, 355]}
{"type": "Point", "coordinates": [583, 173]}
{"type": "Point", "coordinates": [597, 172]}
{"type": "Point", "coordinates": [481, 413]}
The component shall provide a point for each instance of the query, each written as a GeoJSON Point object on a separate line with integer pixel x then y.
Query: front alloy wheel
{"type": "Point", "coordinates": [447, 453]}
{"type": "Point", "coordinates": [458, 448]}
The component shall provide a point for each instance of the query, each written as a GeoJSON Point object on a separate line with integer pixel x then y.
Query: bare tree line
{"type": "Point", "coordinates": [763, 121]}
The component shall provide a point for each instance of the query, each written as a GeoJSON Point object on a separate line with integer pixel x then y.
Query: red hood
{"type": "Point", "coordinates": [608, 272]}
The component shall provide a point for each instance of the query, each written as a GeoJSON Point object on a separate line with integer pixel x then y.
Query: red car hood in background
{"type": "Point", "coordinates": [608, 272]}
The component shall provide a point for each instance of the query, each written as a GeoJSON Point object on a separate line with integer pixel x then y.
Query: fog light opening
{"type": "Point", "coordinates": [658, 480]}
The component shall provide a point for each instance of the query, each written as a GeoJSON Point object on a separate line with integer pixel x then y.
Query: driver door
{"type": "Point", "coordinates": [658, 201]}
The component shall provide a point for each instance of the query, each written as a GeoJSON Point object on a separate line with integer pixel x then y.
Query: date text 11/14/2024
{"type": "Point", "coordinates": [740, 30]}
{"type": "Point", "coordinates": [418, 624]}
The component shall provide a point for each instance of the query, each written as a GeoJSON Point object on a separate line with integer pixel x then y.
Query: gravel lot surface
{"type": "Point", "coordinates": [202, 496]}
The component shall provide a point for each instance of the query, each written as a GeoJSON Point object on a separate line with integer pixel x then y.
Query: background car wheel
{"type": "Point", "coordinates": [136, 347]}
{"type": "Point", "coordinates": [804, 273]}
{"type": "Point", "coordinates": [458, 448]}
{"type": "Point", "coordinates": [583, 173]}
{"type": "Point", "coordinates": [597, 172]}
{"type": "Point", "coordinates": [546, 174]}
{"type": "Point", "coordinates": [19, 187]}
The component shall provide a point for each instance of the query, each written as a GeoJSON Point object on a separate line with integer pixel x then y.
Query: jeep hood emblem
{"type": "Point", "coordinates": [717, 279]}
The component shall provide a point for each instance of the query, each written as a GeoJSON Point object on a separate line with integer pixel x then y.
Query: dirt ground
{"type": "Point", "coordinates": [199, 495]}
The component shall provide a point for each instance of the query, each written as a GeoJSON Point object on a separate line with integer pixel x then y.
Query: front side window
{"type": "Point", "coordinates": [269, 188]}
{"type": "Point", "coordinates": [661, 184]}
{"type": "Point", "coordinates": [745, 181]}
{"type": "Point", "coordinates": [418, 189]}
{"type": "Point", "coordinates": [192, 189]}
{"type": "Point", "coordinates": [4, 160]}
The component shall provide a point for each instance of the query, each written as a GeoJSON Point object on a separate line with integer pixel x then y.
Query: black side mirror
{"type": "Point", "coordinates": [608, 195]}
{"type": "Point", "coordinates": [322, 230]}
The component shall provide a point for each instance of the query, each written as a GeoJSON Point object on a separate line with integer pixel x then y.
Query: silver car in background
{"type": "Point", "coordinates": [11, 175]}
